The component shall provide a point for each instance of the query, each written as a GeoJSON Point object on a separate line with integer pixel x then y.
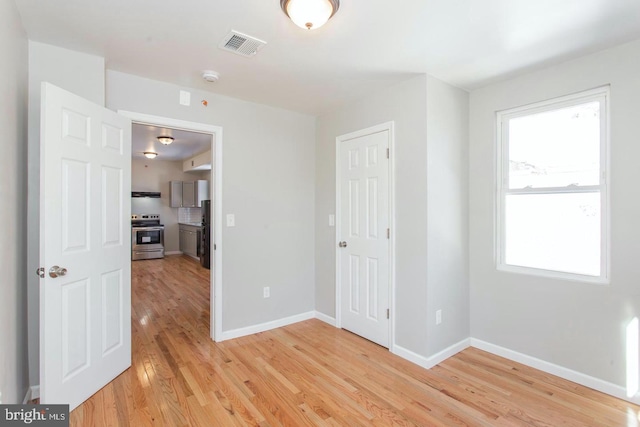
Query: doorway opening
{"type": "Point", "coordinates": [214, 135]}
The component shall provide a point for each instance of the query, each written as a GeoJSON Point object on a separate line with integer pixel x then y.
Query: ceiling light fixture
{"type": "Point", "coordinates": [310, 14]}
{"type": "Point", "coordinates": [166, 140]}
{"type": "Point", "coordinates": [150, 154]}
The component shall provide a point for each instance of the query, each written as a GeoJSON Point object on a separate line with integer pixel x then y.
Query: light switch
{"type": "Point", "coordinates": [185, 98]}
{"type": "Point", "coordinates": [332, 220]}
{"type": "Point", "coordinates": [231, 220]}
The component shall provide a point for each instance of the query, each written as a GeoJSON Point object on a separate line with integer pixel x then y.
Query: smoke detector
{"type": "Point", "coordinates": [241, 44]}
{"type": "Point", "coordinates": [210, 76]}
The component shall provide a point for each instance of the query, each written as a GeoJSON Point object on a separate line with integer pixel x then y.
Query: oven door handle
{"type": "Point", "coordinates": [148, 228]}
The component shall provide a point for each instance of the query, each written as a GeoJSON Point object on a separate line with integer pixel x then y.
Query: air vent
{"type": "Point", "coordinates": [241, 44]}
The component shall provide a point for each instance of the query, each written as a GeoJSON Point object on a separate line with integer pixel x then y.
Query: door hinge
{"type": "Point", "coordinates": [387, 313]}
{"type": "Point", "coordinates": [388, 153]}
{"type": "Point", "coordinates": [388, 233]}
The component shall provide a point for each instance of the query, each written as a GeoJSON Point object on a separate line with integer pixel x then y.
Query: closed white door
{"type": "Point", "coordinates": [364, 236]}
{"type": "Point", "coordinates": [85, 247]}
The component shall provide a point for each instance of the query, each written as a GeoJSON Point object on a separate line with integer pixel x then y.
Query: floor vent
{"type": "Point", "coordinates": [241, 44]}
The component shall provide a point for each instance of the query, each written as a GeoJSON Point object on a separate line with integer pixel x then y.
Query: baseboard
{"type": "Point", "coordinates": [326, 319]}
{"type": "Point", "coordinates": [559, 371]}
{"type": "Point", "coordinates": [33, 392]}
{"type": "Point", "coordinates": [173, 253]}
{"type": "Point", "coordinates": [262, 327]}
{"type": "Point", "coordinates": [431, 361]}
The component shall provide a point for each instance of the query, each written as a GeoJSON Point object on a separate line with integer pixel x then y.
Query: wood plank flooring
{"type": "Point", "coordinates": [311, 374]}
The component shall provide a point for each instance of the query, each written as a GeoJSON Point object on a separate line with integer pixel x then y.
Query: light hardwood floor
{"type": "Point", "coordinates": [313, 374]}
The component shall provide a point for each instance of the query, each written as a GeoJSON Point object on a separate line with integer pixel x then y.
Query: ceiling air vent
{"type": "Point", "coordinates": [241, 44]}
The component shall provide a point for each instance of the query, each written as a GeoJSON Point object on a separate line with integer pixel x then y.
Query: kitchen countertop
{"type": "Point", "coordinates": [193, 224]}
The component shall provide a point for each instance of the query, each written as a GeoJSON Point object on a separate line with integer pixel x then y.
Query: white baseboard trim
{"type": "Point", "coordinates": [431, 361]}
{"type": "Point", "coordinates": [262, 327]}
{"type": "Point", "coordinates": [326, 319]}
{"type": "Point", "coordinates": [560, 371]}
{"type": "Point", "coordinates": [173, 253]}
{"type": "Point", "coordinates": [33, 392]}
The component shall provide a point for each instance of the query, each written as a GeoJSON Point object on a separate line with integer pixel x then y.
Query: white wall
{"type": "Point", "coordinates": [575, 325]}
{"type": "Point", "coordinates": [13, 250]}
{"type": "Point", "coordinates": [83, 75]}
{"type": "Point", "coordinates": [155, 175]}
{"type": "Point", "coordinates": [407, 105]}
{"type": "Point", "coordinates": [268, 183]}
{"type": "Point", "coordinates": [447, 214]}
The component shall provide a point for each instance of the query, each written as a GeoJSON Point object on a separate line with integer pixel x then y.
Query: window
{"type": "Point", "coordinates": [552, 187]}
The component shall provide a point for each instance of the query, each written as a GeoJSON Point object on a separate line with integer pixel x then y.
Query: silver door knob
{"type": "Point", "coordinates": [56, 271]}
{"type": "Point", "coordinates": [342, 244]}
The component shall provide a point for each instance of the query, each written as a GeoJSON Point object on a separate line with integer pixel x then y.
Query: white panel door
{"type": "Point", "coordinates": [85, 208]}
{"type": "Point", "coordinates": [364, 221]}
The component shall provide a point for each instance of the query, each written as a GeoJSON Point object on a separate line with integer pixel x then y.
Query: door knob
{"type": "Point", "coordinates": [342, 244]}
{"type": "Point", "coordinates": [56, 271]}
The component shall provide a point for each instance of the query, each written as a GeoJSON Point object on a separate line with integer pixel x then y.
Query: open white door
{"type": "Point", "coordinates": [363, 257]}
{"type": "Point", "coordinates": [85, 249]}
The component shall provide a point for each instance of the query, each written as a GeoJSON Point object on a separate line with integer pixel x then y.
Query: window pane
{"type": "Point", "coordinates": [559, 232]}
{"type": "Point", "coordinates": [555, 148]}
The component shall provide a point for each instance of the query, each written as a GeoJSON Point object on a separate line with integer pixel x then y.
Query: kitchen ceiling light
{"type": "Point", "coordinates": [166, 140]}
{"type": "Point", "coordinates": [310, 14]}
{"type": "Point", "coordinates": [150, 154]}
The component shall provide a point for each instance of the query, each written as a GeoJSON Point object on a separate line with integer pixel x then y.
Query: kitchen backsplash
{"type": "Point", "coordinates": [189, 215]}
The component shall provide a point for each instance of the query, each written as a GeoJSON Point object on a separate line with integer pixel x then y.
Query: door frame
{"type": "Point", "coordinates": [388, 126]}
{"type": "Point", "coordinates": [215, 194]}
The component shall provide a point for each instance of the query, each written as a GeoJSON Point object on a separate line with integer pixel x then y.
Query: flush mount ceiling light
{"type": "Point", "coordinates": [166, 140]}
{"type": "Point", "coordinates": [310, 14]}
{"type": "Point", "coordinates": [150, 154]}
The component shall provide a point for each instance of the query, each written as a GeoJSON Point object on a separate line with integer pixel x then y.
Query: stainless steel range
{"type": "Point", "coordinates": [147, 237]}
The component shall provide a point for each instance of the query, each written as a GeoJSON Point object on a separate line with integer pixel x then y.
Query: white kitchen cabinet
{"type": "Point", "coordinates": [188, 194]}
{"type": "Point", "coordinates": [189, 240]}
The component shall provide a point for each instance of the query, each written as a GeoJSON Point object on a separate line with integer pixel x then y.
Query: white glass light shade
{"type": "Point", "coordinates": [150, 155]}
{"type": "Point", "coordinates": [166, 140]}
{"type": "Point", "coordinates": [310, 14]}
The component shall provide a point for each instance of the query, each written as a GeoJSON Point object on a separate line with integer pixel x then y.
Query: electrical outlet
{"type": "Point", "coordinates": [266, 292]}
{"type": "Point", "coordinates": [438, 317]}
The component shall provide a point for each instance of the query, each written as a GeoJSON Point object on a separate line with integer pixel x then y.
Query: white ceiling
{"type": "Point", "coordinates": [367, 45]}
{"type": "Point", "coordinates": [185, 144]}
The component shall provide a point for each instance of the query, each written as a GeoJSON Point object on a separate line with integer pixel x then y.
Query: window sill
{"type": "Point", "coordinates": [550, 274]}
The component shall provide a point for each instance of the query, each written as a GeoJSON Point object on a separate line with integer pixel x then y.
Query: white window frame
{"type": "Point", "coordinates": [601, 95]}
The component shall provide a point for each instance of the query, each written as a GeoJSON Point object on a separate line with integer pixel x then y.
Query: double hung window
{"type": "Point", "coordinates": [552, 187]}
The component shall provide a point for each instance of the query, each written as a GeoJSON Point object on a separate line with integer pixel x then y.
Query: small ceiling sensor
{"type": "Point", "coordinates": [166, 140]}
{"type": "Point", "coordinates": [210, 76]}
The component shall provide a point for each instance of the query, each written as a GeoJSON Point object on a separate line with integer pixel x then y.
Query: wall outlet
{"type": "Point", "coordinates": [438, 317]}
{"type": "Point", "coordinates": [266, 292]}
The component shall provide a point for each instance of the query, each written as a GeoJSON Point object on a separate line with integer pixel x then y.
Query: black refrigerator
{"type": "Point", "coordinates": [205, 241]}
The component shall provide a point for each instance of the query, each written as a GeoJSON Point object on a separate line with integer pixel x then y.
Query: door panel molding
{"type": "Point", "coordinates": [84, 328]}
{"type": "Point", "coordinates": [354, 160]}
